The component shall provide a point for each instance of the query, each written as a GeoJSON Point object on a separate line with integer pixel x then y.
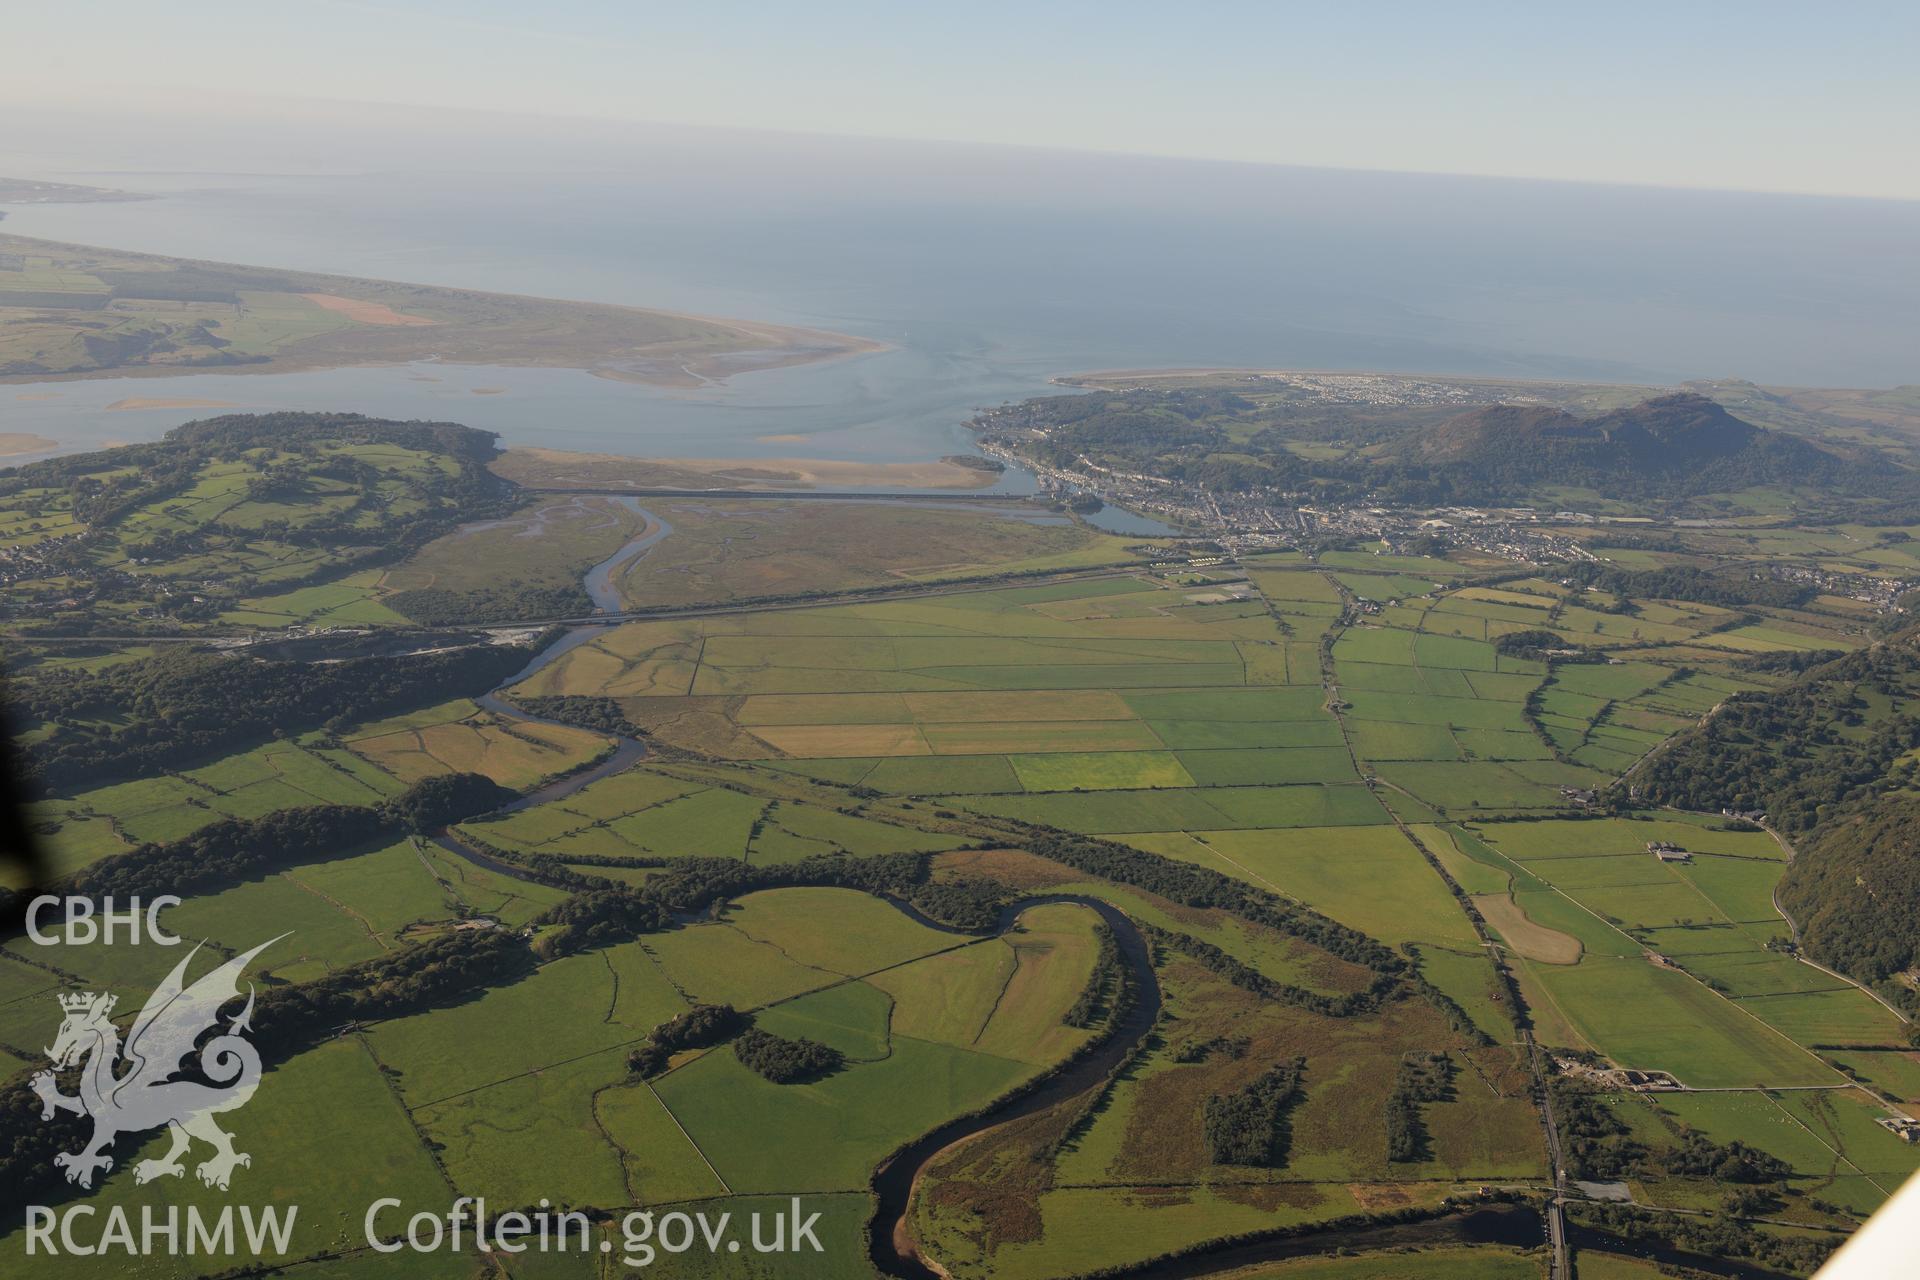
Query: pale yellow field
{"type": "Point", "coordinates": [517, 756]}
{"type": "Point", "coordinates": [973, 739]}
{"type": "Point", "coordinates": [809, 740]}
{"type": "Point", "coordinates": [1532, 940]}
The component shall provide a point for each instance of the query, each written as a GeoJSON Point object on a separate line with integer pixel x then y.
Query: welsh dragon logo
{"type": "Point", "coordinates": [145, 1094]}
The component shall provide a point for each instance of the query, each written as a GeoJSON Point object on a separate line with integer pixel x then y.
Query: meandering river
{"type": "Point", "coordinates": [602, 585]}
{"type": "Point", "coordinates": [890, 1241]}
{"type": "Point", "coordinates": [891, 1245]}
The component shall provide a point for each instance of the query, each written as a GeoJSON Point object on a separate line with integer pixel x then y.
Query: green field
{"type": "Point", "coordinates": [1368, 877]}
{"type": "Point", "coordinates": [1355, 825]}
{"type": "Point", "coordinates": [647, 816]}
{"type": "Point", "coordinates": [326, 1134]}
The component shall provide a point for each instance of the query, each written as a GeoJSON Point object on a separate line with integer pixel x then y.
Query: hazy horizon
{"type": "Point", "coordinates": [268, 135]}
{"type": "Point", "coordinates": [1694, 96]}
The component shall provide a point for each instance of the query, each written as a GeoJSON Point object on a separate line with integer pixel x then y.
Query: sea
{"type": "Point", "coordinates": [991, 271]}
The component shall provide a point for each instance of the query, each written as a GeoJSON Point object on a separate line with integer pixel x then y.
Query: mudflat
{"type": "Point", "coordinates": [559, 469]}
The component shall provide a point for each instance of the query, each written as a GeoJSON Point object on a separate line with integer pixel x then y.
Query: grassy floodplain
{"type": "Point", "coordinates": [1271, 785]}
{"type": "Point", "coordinates": [724, 550]}
{"type": "Point", "coordinates": [1348, 737]}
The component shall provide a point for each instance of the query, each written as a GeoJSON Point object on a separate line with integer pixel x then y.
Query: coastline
{"type": "Point", "coordinates": [1774, 404]}
{"type": "Point", "coordinates": [1098, 378]}
{"type": "Point", "coordinates": [477, 327]}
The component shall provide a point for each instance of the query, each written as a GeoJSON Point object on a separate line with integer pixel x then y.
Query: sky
{"type": "Point", "coordinates": [1762, 96]}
